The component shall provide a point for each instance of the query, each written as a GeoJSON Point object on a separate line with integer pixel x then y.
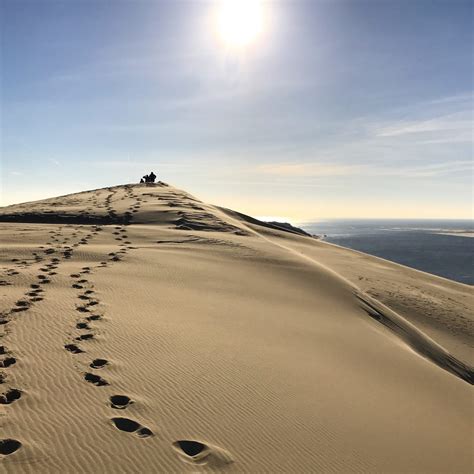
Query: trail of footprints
{"type": "Point", "coordinates": [91, 313]}
{"type": "Point", "coordinates": [89, 306]}
{"type": "Point", "coordinates": [56, 245]}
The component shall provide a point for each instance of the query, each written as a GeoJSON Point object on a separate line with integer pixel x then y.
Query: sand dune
{"type": "Point", "coordinates": [143, 330]}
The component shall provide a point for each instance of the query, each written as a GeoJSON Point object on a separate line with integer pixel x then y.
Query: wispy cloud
{"type": "Point", "coordinates": [308, 169]}
{"type": "Point", "coordinates": [458, 122]}
{"type": "Point", "coordinates": [319, 170]}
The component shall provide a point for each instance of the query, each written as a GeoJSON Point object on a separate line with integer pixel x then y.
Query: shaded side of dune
{"type": "Point", "coordinates": [283, 226]}
{"type": "Point", "coordinates": [57, 218]}
{"type": "Point", "coordinates": [416, 339]}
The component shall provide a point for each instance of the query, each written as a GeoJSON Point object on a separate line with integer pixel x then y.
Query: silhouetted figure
{"type": "Point", "coordinates": [152, 177]}
{"type": "Point", "coordinates": [146, 179]}
{"type": "Point", "coordinates": [142, 181]}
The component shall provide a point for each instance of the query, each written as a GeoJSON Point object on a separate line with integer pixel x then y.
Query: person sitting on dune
{"type": "Point", "coordinates": [142, 181]}
{"type": "Point", "coordinates": [152, 177]}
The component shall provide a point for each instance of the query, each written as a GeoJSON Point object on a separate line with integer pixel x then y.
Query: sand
{"type": "Point", "coordinates": [143, 330]}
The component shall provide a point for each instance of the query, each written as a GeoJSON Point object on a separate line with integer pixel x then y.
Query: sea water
{"type": "Point", "coordinates": [420, 244]}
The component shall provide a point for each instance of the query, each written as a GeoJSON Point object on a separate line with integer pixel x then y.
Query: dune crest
{"type": "Point", "coordinates": [142, 330]}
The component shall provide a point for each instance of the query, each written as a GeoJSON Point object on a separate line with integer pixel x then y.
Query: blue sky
{"type": "Point", "coordinates": [339, 108]}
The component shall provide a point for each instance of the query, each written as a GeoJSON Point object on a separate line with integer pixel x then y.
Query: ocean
{"type": "Point", "coordinates": [420, 244]}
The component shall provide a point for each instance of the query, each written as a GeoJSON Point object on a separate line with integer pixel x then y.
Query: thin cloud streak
{"type": "Point", "coordinates": [319, 170]}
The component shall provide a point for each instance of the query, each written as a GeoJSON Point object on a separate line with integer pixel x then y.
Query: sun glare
{"type": "Point", "coordinates": [240, 22]}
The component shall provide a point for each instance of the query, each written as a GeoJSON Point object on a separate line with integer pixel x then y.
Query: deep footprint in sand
{"type": "Point", "coordinates": [9, 446]}
{"type": "Point", "coordinates": [190, 448]}
{"type": "Point", "coordinates": [21, 305]}
{"type": "Point", "coordinates": [95, 380]}
{"type": "Point", "coordinates": [7, 362]}
{"type": "Point", "coordinates": [131, 426]}
{"type": "Point", "coordinates": [9, 397]}
{"type": "Point", "coordinates": [94, 317]}
{"type": "Point", "coordinates": [120, 402]}
{"type": "Point", "coordinates": [82, 325]}
{"type": "Point", "coordinates": [196, 452]}
{"type": "Point", "coordinates": [99, 363]}
{"type": "Point", "coordinates": [73, 348]}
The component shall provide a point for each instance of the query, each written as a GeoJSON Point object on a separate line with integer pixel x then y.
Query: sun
{"type": "Point", "coordinates": [239, 22]}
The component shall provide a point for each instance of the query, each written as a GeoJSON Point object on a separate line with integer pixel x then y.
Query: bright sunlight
{"type": "Point", "coordinates": [240, 22]}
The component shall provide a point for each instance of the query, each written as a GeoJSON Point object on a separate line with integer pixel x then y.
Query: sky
{"type": "Point", "coordinates": [336, 108]}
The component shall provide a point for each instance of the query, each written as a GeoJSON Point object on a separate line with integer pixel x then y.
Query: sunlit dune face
{"type": "Point", "coordinates": [240, 22]}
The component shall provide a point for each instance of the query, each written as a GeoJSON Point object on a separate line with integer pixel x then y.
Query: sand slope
{"type": "Point", "coordinates": [146, 331]}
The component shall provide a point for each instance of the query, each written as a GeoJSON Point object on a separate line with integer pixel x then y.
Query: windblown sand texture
{"type": "Point", "coordinates": [144, 331]}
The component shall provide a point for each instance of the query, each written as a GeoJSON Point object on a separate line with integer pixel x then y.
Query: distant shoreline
{"type": "Point", "coordinates": [457, 234]}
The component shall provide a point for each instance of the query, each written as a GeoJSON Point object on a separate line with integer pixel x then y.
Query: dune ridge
{"type": "Point", "coordinates": [146, 331]}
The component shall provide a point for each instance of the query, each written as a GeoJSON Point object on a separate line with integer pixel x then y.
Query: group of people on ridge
{"type": "Point", "coordinates": [148, 178]}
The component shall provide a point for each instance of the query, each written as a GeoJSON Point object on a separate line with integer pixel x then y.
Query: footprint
{"type": "Point", "coordinates": [95, 379]}
{"type": "Point", "coordinates": [99, 363]}
{"type": "Point", "coordinates": [73, 348]}
{"type": "Point", "coordinates": [120, 402]}
{"type": "Point", "coordinates": [9, 397]}
{"type": "Point", "coordinates": [131, 426]}
{"type": "Point", "coordinates": [82, 325]}
{"type": "Point", "coordinates": [190, 448]}
{"type": "Point", "coordinates": [85, 337]}
{"type": "Point", "coordinates": [94, 317]}
{"type": "Point", "coordinates": [9, 361]}
{"type": "Point", "coordinates": [202, 454]}
{"type": "Point", "coordinates": [21, 305]}
{"type": "Point", "coordinates": [9, 446]}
